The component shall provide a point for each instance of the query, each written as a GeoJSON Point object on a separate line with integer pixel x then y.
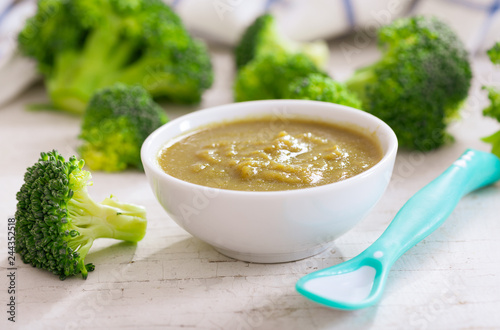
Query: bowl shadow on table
{"type": "Point", "coordinates": [273, 299]}
{"type": "Point", "coordinates": [279, 305]}
{"type": "Point", "coordinates": [198, 270]}
{"type": "Point", "coordinates": [117, 252]}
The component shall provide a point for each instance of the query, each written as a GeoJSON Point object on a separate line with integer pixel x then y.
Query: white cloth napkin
{"type": "Point", "coordinates": [477, 22]}
{"type": "Point", "coordinates": [16, 72]}
{"type": "Point", "coordinates": [225, 20]}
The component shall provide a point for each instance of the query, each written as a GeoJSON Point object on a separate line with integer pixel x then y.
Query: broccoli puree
{"type": "Point", "coordinates": [267, 154]}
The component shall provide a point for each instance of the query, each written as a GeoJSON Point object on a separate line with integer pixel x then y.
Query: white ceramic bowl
{"type": "Point", "coordinates": [274, 226]}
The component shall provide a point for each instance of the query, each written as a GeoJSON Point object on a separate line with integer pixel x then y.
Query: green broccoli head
{"type": "Point", "coordinates": [493, 110]}
{"type": "Point", "coordinates": [115, 124]}
{"type": "Point", "coordinates": [319, 87]}
{"type": "Point", "coordinates": [268, 76]}
{"type": "Point", "coordinates": [85, 45]}
{"type": "Point", "coordinates": [262, 37]}
{"type": "Point", "coordinates": [57, 221]}
{"type": "Point", "coordinates": [420, 82]}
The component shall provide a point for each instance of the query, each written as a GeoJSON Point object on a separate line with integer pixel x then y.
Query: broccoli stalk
{"type": "Point", "coordinates": [57, 221]}
{"type": "Point", "coordinates": [362, 77]}
{"type": "Point", "coordinates": [493, 110]}
{"type": "Point", "coordinates": [77, 74]}
{"type": "Point", "coordinates": [85, 45]}
{"type": "Point", "coordinates": [419, 83]}
{"type": "Point", "coordinates": [115, 124]}
{"type": "Point", "coordinates": [262, 37]}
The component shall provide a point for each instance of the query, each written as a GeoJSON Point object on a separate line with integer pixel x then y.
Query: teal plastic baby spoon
{"type": "Point", "coordinates": [359, 282]}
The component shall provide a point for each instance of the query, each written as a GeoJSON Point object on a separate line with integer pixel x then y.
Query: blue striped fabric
{"type": "Point", "coordinates": [6, 11]}
{"type": "Point", "coordinates": [270, 3]}
{"type": "Point", "coordinates": [494, 6]}
{"type": "Point", "coordinates": [175, 3]}
{"type": "Point", "coordinates": [349, 13]}
{"type": "Point", "coordinates": [3, 15]}
{"type": "Point", "coordinates": [490, 9]}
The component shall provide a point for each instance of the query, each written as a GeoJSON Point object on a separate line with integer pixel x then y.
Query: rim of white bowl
{"type": "Point", "coordinates": [147, 154]}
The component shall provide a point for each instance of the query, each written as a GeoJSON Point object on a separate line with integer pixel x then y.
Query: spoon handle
{"type": "Point", "coordinates": [430, 206]}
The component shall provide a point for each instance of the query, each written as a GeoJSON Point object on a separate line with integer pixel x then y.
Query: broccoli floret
{"type": "Point", "coordinates": [115, 124]}
{"type": "Point", "coordinates": [57, 221]}
{"type": "Point", "coordinates": [420, 82]}
{"type": "Point", "coordinates": [269, 76]}
{"type": "Point", "coordinates": [318, 87]}
{"type": "Point", "coordinates": [262, 37]}
{"type": "Point", "coordinates": [85, 45]}
{"type": "Point", "coordinates": [493, 110]}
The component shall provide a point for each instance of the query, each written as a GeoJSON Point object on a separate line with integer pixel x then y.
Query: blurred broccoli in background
{"type": "Point", "coordinates": [267, 61]}
{"type": "Point", "coordinates": [269, 76]}
{"type": "Point", "coordinates": [85, 45]}
{"type": "Point", "coordinates": [115, 124]}
{"type": "Point", "coordinates": [262, 37]}
{"type": "Point", "coordinates": [493, 110]}
{"type": "Point", "coordinates": [318, 87]}
{"type": "Point", "coordinates": [420, 82]}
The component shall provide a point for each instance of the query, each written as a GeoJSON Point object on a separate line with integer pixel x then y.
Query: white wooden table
{"type": "Point", "coordinates": [171, 280]}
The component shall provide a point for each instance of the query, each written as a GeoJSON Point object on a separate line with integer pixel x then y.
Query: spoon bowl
{"type": "Point", "coordinates": [353, 284]}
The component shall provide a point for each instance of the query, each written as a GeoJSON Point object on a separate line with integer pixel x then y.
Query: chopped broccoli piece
{"type": "Point", "coordinates": [262, 37]}
{"type": "Point", "coordinates": [322, 88]}
{"type": "Point", "coordinates": [493, 110]}
{"type": "Point", "coordinates": [57, 221]}
{"type": "Point", "coordinates": [494, 53]}
{"type": "Point", "coordinates": [494, 140]}
{"type": "Point", "coordinates": [115, 124]}
{"type": "Point", "coordinates": [85, 45]}
{"type": "Point", "coordinates": [269, 76]}
{"type": "Point", "coordinates": [420, 82]}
